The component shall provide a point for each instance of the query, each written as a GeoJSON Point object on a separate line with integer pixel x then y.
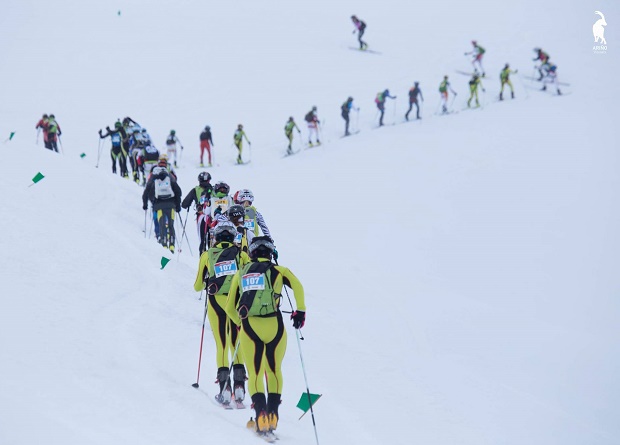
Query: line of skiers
{"type": "Point", "coordinates": [244, 287]}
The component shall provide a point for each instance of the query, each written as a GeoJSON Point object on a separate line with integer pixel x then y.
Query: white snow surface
{"type": "Point", "coordinates": [461, 273]}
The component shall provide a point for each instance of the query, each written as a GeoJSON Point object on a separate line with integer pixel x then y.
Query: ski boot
{"type": "Point", "coordinates": [224, 397]}
{"type": "Point", "coordinates": [310, 144]}
{"type": "Point", "coordinates": [273, 421]}
{"type": "Point", "coordinates": [273, 402]}
{"type": "Point", "coordinates": [501, 96]}
{"type": "Point", "coordinates": [512, 95]}
{"type": "Point", "coordinates": [262, 422]}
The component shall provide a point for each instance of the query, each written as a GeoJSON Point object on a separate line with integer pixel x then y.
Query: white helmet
{"type": "Point", "coordinates": [245, 195]}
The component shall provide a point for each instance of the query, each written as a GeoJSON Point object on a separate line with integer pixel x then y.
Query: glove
{"type": "Point", "coordinates": [145, 207]}
{"type": "Point", "coordinates": [275, 255]}
{"type": "Point", "coordinates": [181, 147]}
{"type": "Point", "coordinates": [249, 143]}
{"type": "Point", "coordinates": [465, 54]}
{"type": "Point", "coordinates": [516, 71]}
{"type": "Point", "coordinates": [217, 211]}
{"type": "Point", "coordinates": [299, 319]}
{"type": "Point", "coordinates": [178, 209]}
{"type": "Point", "coordinates": [241, 229]}
{"type": "Point", "coordinates": [100, 132]}
{"type": "Point", "coordinates": [484, 91]}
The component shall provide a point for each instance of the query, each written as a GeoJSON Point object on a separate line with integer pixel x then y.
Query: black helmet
{"type": "Point", "coordinates": [349, 99]}
{"type": "Point", "coordinates": [291, 119]}
{"type": "Point", "coordinates": [45, 116]}
{"type": "Point", "coordinates": [235, 212]}
{"type": "Point", "coordinates": [204, 177]}
{"type": "Point", "coordinates": [416, 83]}
{"type": "Point", "coordinates": [261, 246]}
{"type": "Point", "coordinates": [207, 128]}
{"type": "Point", "coordinates": [225, 231]}
{"type": "Point", "coordinates": [221, 187]}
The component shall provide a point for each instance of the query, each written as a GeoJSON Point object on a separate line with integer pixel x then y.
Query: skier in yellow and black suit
{"type": "Point", "coordinates": [253, 303]}
{"type": "Point", "coordinates": [216, 269]}
{"type": "Point", "coordinates": [474, 83]}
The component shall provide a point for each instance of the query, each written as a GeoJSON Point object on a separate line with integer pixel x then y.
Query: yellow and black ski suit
{"type": "Point", "coordinates": [214, 275]}
{"type": "Point", "coordinates": [263, 338]}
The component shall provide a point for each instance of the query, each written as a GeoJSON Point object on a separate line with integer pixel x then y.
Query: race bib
{"type": "Point", "coordinates": [225, 268]}
{"type": "Point", "coordinates": [253, 281]}
{"type": "Point", "coordinates": [249, 224]}
{"type": "Point", "coordinates": [238, 238]}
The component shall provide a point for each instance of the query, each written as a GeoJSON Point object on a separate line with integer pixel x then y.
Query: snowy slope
{"type": "Point", "coordinates": [460, 271]}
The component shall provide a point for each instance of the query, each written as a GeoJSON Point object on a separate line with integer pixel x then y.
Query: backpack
{"type": "Point", "coordinates": [151, 153]}
{"type": "Point", "coordinates": [163, 187]}
{"type": "Point", "coordinates": [481, 50]}
{"type": "Point", "coordinates": [309, 117]}
{"type": "Point", "coordinates": [362, 25]}
{"type": "Point", "coordinates": [258, 298]}
{"type": "Point", "coordinates": [224, 261]}
{"type": "Point", "coordinates": [170, 140]}
{"type": "Point", "coordinates": [116, 139]}
{"type": "Point", "coordinates": [379, 98]}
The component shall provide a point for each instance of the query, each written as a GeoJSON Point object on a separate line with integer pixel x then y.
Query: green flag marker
{"type": "Point", "coordinates": [37, 177]}
{"type": "Point", "coordinates": [11, 136]}
{"type": "Point", "coordinates": [119, 12]}
{"type": "Point", "coordinates": [164, 261]}
{"type": "Point", "coordinates": [304, 404]}
{"type": "Point", "coordinates": [83, 155]}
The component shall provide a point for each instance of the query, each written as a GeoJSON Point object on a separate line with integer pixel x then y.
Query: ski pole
{"type": "Point", "coordinates": [453, 99]}
{"type": "Point", "coordinates": [357, 119]}
{"type": "Point", "coordinates": [145, 212]}
{"type": "Point", "coordinates": [394, 113]}
{"type": "Point", "coordinates": [523, 85]}
{"type": "Point", "coordinates": [184, 234]}
{"type": "Point", "coordinates": [202, 337]}
{"type": "Point", "coordinates": [62, 150]}
{"type": "Point", "coordinates": [38, 131]}
{"type": "Point", "coordinates": [98, 152]}
{"type": "Point", "coordinates": [303, 367]}
{"type": "Point", "coordinates": [151, 228]}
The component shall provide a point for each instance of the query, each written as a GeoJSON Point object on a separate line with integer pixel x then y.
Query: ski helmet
{"type": "Point", "coordinates": [221, 189]}
{"type": "Point", "coordinates": [349, 99]}
{"type": "Point", "coordinates": [261, 246]}
{"type": "Point", "coordinates": [225, 231]}
{"type": "Point", "coordinates": [172, 132]}
{"type": "Point", "coordinates": [204, 177]}
{"type": "Point", "coordinates": [236, 212]}
{"type": "Point", "coordinates": [52, 116]}
{"type": "Point", "coordinates": [416, 83]}
{"type": "Point", "coordinates": [207, 128]}
{"type": "Point", "coordinates": [473, 42]}
{"type": "Point", "coordinates": [45, 116]}
{"type": "Point", "coordinates": [314, 108]}
{"type": "Point", "coordinates": [117, 124]}
{"type": "Point", "coordinates": [245, 195]}
{"type": "Point", "coordinates": [239, 126]}
{"type": "Point", "coordinates": [291, 119]}
{"type": "Point", "coordinates": [144, 130]}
